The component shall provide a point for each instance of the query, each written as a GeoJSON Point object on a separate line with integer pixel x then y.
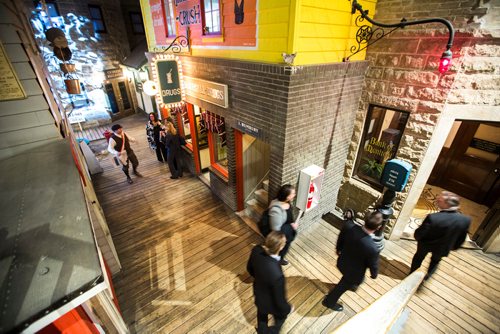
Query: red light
{"type": "Point", "coordinates": [445, 62]}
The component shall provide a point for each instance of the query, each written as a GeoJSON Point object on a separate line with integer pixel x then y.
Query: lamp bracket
{"type": "Point", "coordinates": [179, 43]}
{"type": "Point", "coordinates": [366, 35]}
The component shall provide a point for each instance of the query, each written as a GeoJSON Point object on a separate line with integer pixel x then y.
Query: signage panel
{"type": "Point", "coordinates": [114, 73]}
{"type": "Point", "coordinates": [208, 91]}
{"type": "Point", "coordinates": [168, 77]}
{"type": "Point", "coordinates": [395, 175]}
{"type": "Point", "coordinates": [248, 129]}
{"type": "Point", "coordinates": [10, 86]}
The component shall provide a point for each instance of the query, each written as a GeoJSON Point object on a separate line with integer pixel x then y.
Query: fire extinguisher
{"type": "Point", "coordinates": [312, 189]}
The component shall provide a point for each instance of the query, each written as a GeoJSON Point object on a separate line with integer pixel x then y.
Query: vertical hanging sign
{"type": "Point", "coordinates": [168, 75]}
{"type": "Point", "coordinates": [158, 16]}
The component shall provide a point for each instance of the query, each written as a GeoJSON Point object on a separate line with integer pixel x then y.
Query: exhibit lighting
{"type": "Point", "coordinates": [143, 75]}
{"type": "Point", "coordinates": [366, 35]}
{"type": "Point", "coordinates": [150, 88]}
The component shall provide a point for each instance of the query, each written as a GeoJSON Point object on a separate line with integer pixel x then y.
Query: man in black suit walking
{"type": "Point", "coordinates": [357, 251]}
{"type": "Point", "coordinates": [440, 232]}
{"type": "Point", "coordinates": [269, 283]}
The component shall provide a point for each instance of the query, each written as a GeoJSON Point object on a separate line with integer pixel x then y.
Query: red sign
{"type": "Point", "coordinates": [158, 16]}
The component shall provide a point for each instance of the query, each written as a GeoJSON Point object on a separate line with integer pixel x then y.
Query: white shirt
{"type": "Point", "coordinates": [112, 143]}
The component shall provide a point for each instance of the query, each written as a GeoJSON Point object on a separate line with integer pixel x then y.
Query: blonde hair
{"type": "Point", "coordinates": [170, 127]}
{"type": "Point", "coordinates": [274, 242]}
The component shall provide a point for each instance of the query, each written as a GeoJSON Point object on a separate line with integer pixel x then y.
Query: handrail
{"type": "Point", "coordinates": [385, 311]}
{"type": "Point", "coordinates": [257, 186]}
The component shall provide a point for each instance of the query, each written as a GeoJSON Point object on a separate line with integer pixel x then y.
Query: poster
{"type": "Point", "coordinates": [10, 86]}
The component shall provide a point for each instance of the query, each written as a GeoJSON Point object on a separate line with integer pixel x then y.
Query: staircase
{"type": "Point", "coordinates": [255, 206]}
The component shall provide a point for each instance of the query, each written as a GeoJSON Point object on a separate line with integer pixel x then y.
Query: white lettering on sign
{"type": "Point", "coordinates": [171, 92]}
{"type": "Point", "coordinates": [207, 91]}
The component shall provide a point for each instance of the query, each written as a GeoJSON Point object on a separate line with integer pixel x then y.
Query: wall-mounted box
{"type": "Point", "coordinates": [309, 189]}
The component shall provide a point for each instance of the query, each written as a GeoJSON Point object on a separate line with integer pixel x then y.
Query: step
{"type": "Point", "coordinates": [265, 185]}
{"type": "Point", "coordinates": [248, 221]}
{"type": "Point", "coordinates": [262, 196]}
{"type": "Point", "coordinates": [254, 209]}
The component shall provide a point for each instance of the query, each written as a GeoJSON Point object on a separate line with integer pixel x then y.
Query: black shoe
{"type": "Point", "coordinates": [174, 177]}
{"type": "Point", "coordinates": [337, 307]}
{"type": "Point", "coordinates": [129, 180]}
{"type": "Point", "coordinates": [284, 262]}
{"type": "Point", "coordinates": [136, 173]}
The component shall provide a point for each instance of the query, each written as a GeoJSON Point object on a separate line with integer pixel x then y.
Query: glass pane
{"type": "Point", "coordinates": [220, 151]}
{"type": "Point", "coordinates": [98, 25]}
{"type": "Point", "coordinates": [382, 133]}
{"type": "Point", "coordinates": [215, 5]}
{"type": "Point", "coordinates": [95, 13]}
{"type": "Point", "coordinates": [208, 22]}
{"type": "Point", "coordinates": [136, 18]}
{"type": "Point", "coordinates": [124, 95]}
{"type": "Point", "coordinates": [138, 28]}
{"type": "Point", "coordinates": [51, 7]}
{"type": "Point", "coordinates": [216, 22]}
{"type": "Point", "coordinates": [208, 6]}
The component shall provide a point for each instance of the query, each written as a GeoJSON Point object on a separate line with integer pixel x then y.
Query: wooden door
{"type": "Point", "coordinates": [471, 165]}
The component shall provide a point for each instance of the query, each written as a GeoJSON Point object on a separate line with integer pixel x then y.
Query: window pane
{"type": "Point", "coordinates": [208, 22]}
{"type": "Point", "coordinates": [138, 28]}
{"type": "Point", "coordinates": [208, 6]}
{"type": "Point", "coordinates": [215, 5]}
{"type": "Point", "coordinates": [95, 13]}
{"type": "Point", "coordinates": [382, 133]}
{"type": "Point", "coordinates": [51, 7]}
{"type": "Point", "coordinates": [220, 150]}
{"type": "Point", "coordinates": [215, 22]}
{"type": "Point", "coordinates": [98, 26]}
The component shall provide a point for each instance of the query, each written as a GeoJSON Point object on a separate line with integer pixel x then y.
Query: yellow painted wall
{"type": "Point", "coordinates": [320, 31]}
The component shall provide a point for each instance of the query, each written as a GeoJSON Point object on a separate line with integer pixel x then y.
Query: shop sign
{"type": "Point", "coordinates": [169, 80]}
{"type": "Point", "coordinates": [10, 86]}
{"type": "Point", "coordinates": [248, 129]}
{"type": "Point", "coordinates": [76, 117]}
{"type": "Point", "coordinates": [395, 175]}
{"type": "Point", "coordinates": [208, 91]}
{"type": "Point", "coordinates": [113, 74]}
{"type": "Point", "coordinates": [158, 20]}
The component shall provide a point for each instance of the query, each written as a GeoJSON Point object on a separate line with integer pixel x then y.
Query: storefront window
{"type": "Point", "coordinates": [216, 128]}
{"type": "Point", "coordinates": [381, 136]}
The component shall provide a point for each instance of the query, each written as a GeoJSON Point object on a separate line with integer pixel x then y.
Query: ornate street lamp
{"type": "Point", "coordinates": [367, 36]}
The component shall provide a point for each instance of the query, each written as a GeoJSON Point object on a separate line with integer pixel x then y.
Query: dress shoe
{"type": "Point", "coordinates": [174, 177]}
{"type": "Point", "coordinates": [129, 180]}
{"type": "Point", "coordinates": [284, 262]}
{"type": "Point", "coordinates": [337, 307]}
{"type": "Point", "coordinates": [136, 173]}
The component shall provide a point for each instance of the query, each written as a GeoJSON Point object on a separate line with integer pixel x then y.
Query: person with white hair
{"type": "Point", "coordinates": [440, 232]}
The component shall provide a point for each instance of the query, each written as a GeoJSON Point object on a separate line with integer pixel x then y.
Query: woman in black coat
{"type": "Point", "coordinates": [173, 144]}
{"type": "Point", "coordinates": [269, 283]}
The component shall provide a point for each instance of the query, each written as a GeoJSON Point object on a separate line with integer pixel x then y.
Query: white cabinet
{"type": "Point", "coordinates": [308, 192]}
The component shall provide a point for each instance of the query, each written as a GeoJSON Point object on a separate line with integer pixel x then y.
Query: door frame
{"type": "Point", "coordinates": [238, 150]}
{"type": "Point", "coordinates": [450, 114]}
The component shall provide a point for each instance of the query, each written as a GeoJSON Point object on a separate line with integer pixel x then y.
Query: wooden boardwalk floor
{"type": "Point", "coordinates": [184, 257]}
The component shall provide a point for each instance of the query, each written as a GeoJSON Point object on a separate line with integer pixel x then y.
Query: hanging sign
{"type": "Point", "coordinates": [395, 175]}
{"type": "Point", "coordinates": [114, 73]}
{"type": "Point", "coordinates": [169, 78]}
{"type": "Point", "coordinates": [10, 86]}
{"type": "Point", "coordinates": [208, 91]}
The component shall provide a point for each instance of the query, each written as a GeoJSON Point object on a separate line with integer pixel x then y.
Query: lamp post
{"type": "Point", "coordinates": [367, 36]}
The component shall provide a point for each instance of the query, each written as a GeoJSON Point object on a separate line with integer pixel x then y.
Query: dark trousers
{"type": "Point", "coordinates": [174, 164]}
{"type": "Point", "coordinates": [290, 234]}
{"type": "Point", "coordinates": [342, 286]}
{"type": "Point", "coordinates": [263, 328]}
{"type": "Point", "coordinates": [419, 257]}
{"type": "Point", "coordinates": [131, 159]}
{"type": "Point", "coordinates": [161, 152]}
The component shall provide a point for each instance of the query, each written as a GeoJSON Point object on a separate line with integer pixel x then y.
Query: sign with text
{"type": "Point", "coordinates": [170, 84]}
{"type": "Point", "coordinates": [248, 129]}
{"type": "Point", "coordinates": [114, 73]}
{"type": "Point", "coordinates": [158, 17]}
{"type": "Point", "coordinates": [10, 86]}
{"type": "Point", "coordinates": [395, 175]}
{"type": "Point", "coordinates": [208, 91]}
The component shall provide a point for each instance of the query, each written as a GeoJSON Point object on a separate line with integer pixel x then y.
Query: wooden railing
{"type": "Point", "coordinates": [381, 315]}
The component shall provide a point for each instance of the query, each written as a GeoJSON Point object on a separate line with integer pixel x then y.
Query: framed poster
{"type": "Point", "coordinates": [10, 86]}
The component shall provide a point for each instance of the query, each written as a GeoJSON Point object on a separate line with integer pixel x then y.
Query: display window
{"type": "Point", "coordinates": [184, 125]}
{"type": "Point", "coordinates": [381, 136]}
{"type": "Point", "coordinates": [216, 134]}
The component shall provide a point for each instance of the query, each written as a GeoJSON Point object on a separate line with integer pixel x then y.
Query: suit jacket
{"type": "Point", "coordinates": [443, 231]}
{"type": "Point", "coordinates": [357, 253]}
{"type": "Point", "coordinates": [269, 283]}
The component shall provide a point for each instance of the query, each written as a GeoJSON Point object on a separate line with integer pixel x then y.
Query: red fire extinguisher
{"type": "Point", "coordinates": [312, 189]}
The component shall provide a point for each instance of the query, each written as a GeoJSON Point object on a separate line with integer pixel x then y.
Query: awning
{"type": "Point", "coordinates": [137, 57]}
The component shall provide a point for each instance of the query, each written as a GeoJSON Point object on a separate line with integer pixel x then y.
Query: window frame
{"type": "Point", "coordinates": [214, 164]}
{"type": "Point", "coordinates": [92, 19]}
{"type": "Point", "coordinates": [203, 18]}
{"type": "Point", "coordinates": [167, 16]}
{"type": "Point", "coordinates": [357, 174]}
{"type": "Point", "coordinates": [131, 14]}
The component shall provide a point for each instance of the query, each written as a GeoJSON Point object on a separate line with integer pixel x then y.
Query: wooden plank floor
{"type": "Point", "coordinates": [94, 133]}
{"type": "Point", "coordinates": [184, 255]}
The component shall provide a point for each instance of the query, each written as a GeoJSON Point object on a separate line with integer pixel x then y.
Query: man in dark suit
{"type": "Point", "coordinates": [269, 283]}
{"type": "Point", "coordinates": [440, 232]}
{"type": "Point", "coordinates": [357, 251]}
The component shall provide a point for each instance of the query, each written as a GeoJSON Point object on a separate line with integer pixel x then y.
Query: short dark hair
{"type": "Point", "coordinates": [116, 127]}
{"type": "Point", "coordinates": [284, 192]}
{"type": "Point", "coordinates": [373, 220]}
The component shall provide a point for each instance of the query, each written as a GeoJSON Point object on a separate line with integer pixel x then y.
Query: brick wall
{"type": "Point", "coordinates": [304, 113]}
{"type": "Point", "coordinates": [403, 75]}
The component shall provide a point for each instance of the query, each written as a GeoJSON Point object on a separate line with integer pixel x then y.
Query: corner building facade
{"type": "Point", "coordinates": [291, 102]}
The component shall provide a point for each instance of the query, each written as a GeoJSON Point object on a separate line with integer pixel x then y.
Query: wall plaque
{"type": "Point", "coordinates": [10, 86]}
{"type": "Point", "coordinates": [485, 145]}
{"type": "Point", "coordinates": [248, 129]}
{"type": "Point", "coordinates": [208, 91]}
{"type": "Point", "coordinates": [114, 73]}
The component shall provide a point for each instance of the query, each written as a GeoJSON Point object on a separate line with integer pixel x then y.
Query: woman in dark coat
{"type": "Point", "coordinates": [173, 144]}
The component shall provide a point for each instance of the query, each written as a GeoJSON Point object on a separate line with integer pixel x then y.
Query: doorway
{"type": "Point", "coordinates": [468, 165]}
{"type": "Point", "coordinates": [119, 98]}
